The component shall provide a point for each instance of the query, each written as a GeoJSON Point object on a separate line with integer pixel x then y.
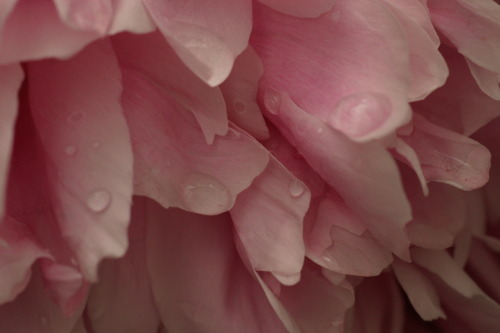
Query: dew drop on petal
{"type": "Point", "coordinates": [272, 101]}
{"type": "Point", "coordinates": [203, 194]}
{"type": "Point", "coordinates": [99, 200]}
{"type": "Point", "coordinates": [75, 117]}
{"type": "Point", "coordinates": [96, 145]}
{"type": "Point", "coordinates": [296, 188]}
{"type": "Point", "coordinates": [70, 150]}
{"type": "Point", "coordinates": [239, 106]}
{"type": "Point", "coordinates": [360, 114]}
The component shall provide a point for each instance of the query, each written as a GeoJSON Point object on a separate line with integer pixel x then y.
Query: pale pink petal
{"type": "Point", "coordinates": [428, 67]}
{"type": "Point", "coordinates": [43, 34]}
{"type": "Point", "coordinates": [419, 289]}
{"type": "Point", "coordinates": [379, 307]}
{"type": "Point", "coordinates": [207, 36]}
{"type": "Point", "coordinates": [459, 105]}
{"type": "Point", "coordinates": [211, 290]}
{"type": "Point", "coordinates": [363, 94]}
{"type": "Point", "coordinates": [300, 8]}
{"type": "Point", "coordinates": [484, 265]}
{"type": "Point", "coordinates": [130, 15]}
{"type": "Point", "coordinates": [151, 58]}
{"type": "Point", "coordinates": [449, 157]}
{"type": "Point", "coordinates": [437, 218]}
{"type": "Point", "coordinates": [488, 81]}
{"type": "Point", "coordinates": [6, 7]}
{"type": "Point", "coordinates": [472, 26]}
{"type": "Point", "coordinates": [10, 82]}
{"type": "Point", "coordinates": [240, 92]}
{"type": "Point", "coordinates": [317, 305]}
{"type": "Point", "coordinates": [339, 241]}
{"type": "Point", "coordinates": [33, 311]}
{"type": "Point", "coordinates": [442, 264]}
{"type": "Point", "coordinates": [173, 163]}
{"type": "Point", "coordinates": [407, 154]}
{"type": "Point", "coordinates": [122, 300]}
{"type": "Point", "coordinates": [87, 147]}
{"type": "Point", "coordinates": [365, 175]}
{"type": "Point", "coordinates": [268, 219]}
{"type": "Point", "coordinates": [90, 15]}
{"type": "Point", "coordinates": [18, 252]}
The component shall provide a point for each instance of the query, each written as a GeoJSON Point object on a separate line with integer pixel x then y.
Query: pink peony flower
{"type": "Point", "coordinates": [249, 166]}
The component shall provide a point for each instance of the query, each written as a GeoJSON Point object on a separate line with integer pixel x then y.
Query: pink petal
{"type": "Point", "coordinates": [363, 94]}
{"type": "Point", "coordinates": [449, 157]}
{"type": "Point", "coordinates": [419, 289]}
{"type": "Point", "coordinates": [18, 252]}
{"type": "Point", "coordinates": [10, 82]}
{"type": "Point", "coordinates": [340, 242]}
{"type": "Point", "coordinates": [488, 81]}
{"type": "Point", "coordinates": [403, 152]}
{"type": "Point", "coordinates": [6, 7]}
{"type": "Point", "coordinates": [379, 307]}
{"type": "Point", "coordinates": [130, 15]}
{"type": "Point", "coordinates": [90, 15]}
{"type": "Point", "coordinates": [365, 175]}
{"type": "Point", "coordinates": [211, 291]}
{"type": "Point", "coordinates": [300, 8]}
{"type": "Point", "coordinates": [207, 36]}
{"type": "Point", "coordinates": [459, 105]}
{"type": "Point", "coordinates": [42, 33]}
{"type": "Point", "coordinates": [33, 311]}
{"type": "Point", "coordinates": [86, 144]}
{"type": "Point", "coordinates": [437, 218]}
{"type": "Point", "coordinates": [150, 57]}
{"type": "Point", "coordinates": [122, 300]}
{"type": "Point", "coordinates": [428, 67]}
{"type": "Point", "coordinates": [240, 92]}
{"type": "Point", "coordinates": [268, 219]}
{"type": "Point", "coordinates": [173, 163]}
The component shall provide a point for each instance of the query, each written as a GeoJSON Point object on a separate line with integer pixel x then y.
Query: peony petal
{"type": "Point", "coordinates": [122, 300]}
{"type": "Point", "coordinates": [37, 25]}
{"type": "Point", "coordinates": [6, 7]}
{"type": "Point", "coordinates": [363, 94]}
{"type": "Point", "coordinates": [338, 241]}
{"type": "Point", "coordinates": [207, 36]}
{"type": "Point", "coordinates": [459, 105]}
{"type": "Point", "coordinates": [10, 82]}
{"type": "Point", "coordinates": [407, 154]}
{"type": "Point", "coordinates": [268, 219]}
{"type": "Point", "coordinates": [428, 67]}
{"type": "Point", "coordinates": [488, 81]}
{"type": "Point", "coordinates": [131, 15]}
{"type": "Point", "coordinates": [449, 157]}
{"type": "Point", "coordinates": [422, 294]}
{"type": "Point", "coordinates": [174, 165]}
{"type": "Point", "coordinates": [240, 91]}
{"type": "Point", "coordinates": [33, 311]}
{"type": "Point", "coordinates": [437, 218]}
{"type": "Point", "coordinates": [474, 28]}
{"type": "Point", "coordinates": [93, 15]}
{"type": "Point", "coordinates": [150, 57]}
{"type": "Point", "coordinates": [211, 291]}
{"type": "Point", "coordinates": [18, 252]}
{"type": "Point", "coordinates": [86, 142]}
{"type": "Point", "coordinates": [364, 175]}
{"type": "Point", "coordinates": [300, 8]}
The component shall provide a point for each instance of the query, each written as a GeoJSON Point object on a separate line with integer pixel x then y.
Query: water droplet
{"type": "Point", "coordinates": [272, 101]}
{"type": "Point", "coordinates": [70, 150]}
{"type": "Point", "coordinates": [360, 114]}
{"type": "Point", "coordinates": [203, 194]}
{"type": "Point", "coordinates": [296, 188]}
{"type": "Point", "coordinates": [75, 117]}
{"type": "Point", "coordinates": [325, 258]}
{"type": "Point", "coordinates": [99, 200]}
{"type": "Point", "coordinates": [239, 106]}
{"type": "Point", "coordinates": [320, 130]}
{"type": "Point", "coordinates": [96, 145]}
{"type": "Point", "coordinates": [335, 16]}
